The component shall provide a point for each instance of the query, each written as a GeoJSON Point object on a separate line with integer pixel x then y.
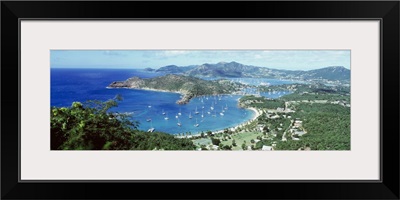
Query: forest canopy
{"type": "Point", "coordinates": [91, 126]}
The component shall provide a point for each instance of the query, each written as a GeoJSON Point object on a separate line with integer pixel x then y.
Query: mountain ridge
{"type": "Point", "coordinates": [238, 70]}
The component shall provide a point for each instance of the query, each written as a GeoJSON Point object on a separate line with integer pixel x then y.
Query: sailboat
{"type": "Point", "coordinates": [190, 115]}
{"type": "Point", "coordinates": [151, 128]}
{"type": "Point", "coordinates": [176, 116]}
{"type": "Point", "coordinates": [226, 106]}
{"type": "Point", "coordinates": [212, 106]}
{"type": "Point", "coordinates": [163, 112]}
{"type": "Point", "coordinates": [202, 114]}
{"type": "Point", "coordinates": [179, 123]}
{"type": "Point", "coordinates": [196, 112]}
{"type": "Point", "coordinates": [215, 114]}
{"type": "Point", "coordinates": [179, 113]}
{"type": "Point", "coordinates": [166, 118]}
{"type": "Point", "coordinates": [148, 120]}
{"type": "Point", "coordinates": [196, 125]}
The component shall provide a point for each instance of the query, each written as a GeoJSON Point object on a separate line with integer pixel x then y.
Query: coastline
{"type": "Point", "coordinates": [257, 113]}
{"type": "Point", "coordinates": [184, 99]}
{"type": "Point", "coordinates": [146, 89]}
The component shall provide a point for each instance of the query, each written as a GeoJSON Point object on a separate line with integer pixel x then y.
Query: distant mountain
{"type": "Point", "coordinates": [329, 73]}
{"type": "Point", "coordinates": [224, 69]}
{"type": "Point", "coordinates": [149, 69]}
{"type": "Point", "coordinates": [238, 70]}
{"type": "Point", "coordinates": [173, 69]}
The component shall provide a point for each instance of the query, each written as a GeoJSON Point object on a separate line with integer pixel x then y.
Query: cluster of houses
{"type": "Point", "coordinates": [297, 128]}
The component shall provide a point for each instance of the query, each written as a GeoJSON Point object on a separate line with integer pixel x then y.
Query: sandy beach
{"type": "Point", "coordinates": [256, 115]}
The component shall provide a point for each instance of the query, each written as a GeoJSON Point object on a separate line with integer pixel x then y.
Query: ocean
{"type": "Point", "coordinates": [151, 109]}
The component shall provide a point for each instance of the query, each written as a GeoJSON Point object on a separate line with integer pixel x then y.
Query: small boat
{"type": "Point", "coordinates": [151, 130]}
{"type": "Point", "coordinates": [179, 123]}
{"type": "Point", "coordinates": [166, 118]}
{"type": "Point", "coordinates": [148, 120]}
{"type": "Point", "coordinates": [222, 114]}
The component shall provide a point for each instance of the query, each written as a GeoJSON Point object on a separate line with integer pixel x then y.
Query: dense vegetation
{"type": "Point", "coordinates": [307, 88]}
{"type": "Point", "coordinates": [316, 96]}
{"type": "Point", "coordinates": [91, 127]}
{"type": "Point", "coordinates": [327, 125]}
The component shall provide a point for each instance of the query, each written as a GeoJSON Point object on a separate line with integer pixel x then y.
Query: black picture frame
{"type": "Point", "coordinates": [386, 11]}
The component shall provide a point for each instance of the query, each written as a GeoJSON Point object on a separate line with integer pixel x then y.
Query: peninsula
{"type": "Point", "coordinates": [188, 86]}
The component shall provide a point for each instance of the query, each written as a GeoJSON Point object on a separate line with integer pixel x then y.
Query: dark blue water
{"type": "Point", "coordinates": [69, 85]}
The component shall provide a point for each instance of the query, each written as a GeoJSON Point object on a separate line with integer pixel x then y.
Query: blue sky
{"type": "Point", "coordinates": [277, 59]}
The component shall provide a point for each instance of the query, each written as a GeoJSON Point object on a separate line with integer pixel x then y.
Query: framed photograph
{"type": "Point", "coordinates": [115, 95]}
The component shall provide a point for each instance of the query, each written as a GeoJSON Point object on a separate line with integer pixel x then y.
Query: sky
{"type": "Point", "coordinates": [138, 59]}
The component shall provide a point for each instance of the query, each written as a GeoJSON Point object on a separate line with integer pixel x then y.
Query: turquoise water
{"type": "Point", "coordinates": [151, 108]}
{"type": "Point", "coordinates": [69, 85]}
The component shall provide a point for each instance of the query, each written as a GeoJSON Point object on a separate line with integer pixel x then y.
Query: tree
{"type": "Point", "coordinates": [244, 147]}
{"type": "Point", "coordinates": [91, 126]}
{"type": "Point", "coordinates": [234, 142]}
{"type": "Point", "coordinates": [215, 141]}
{"type": "Point", "coordinates": [209, 133]}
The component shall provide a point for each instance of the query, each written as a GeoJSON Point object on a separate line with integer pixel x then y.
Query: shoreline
{"type": "Point", "coordinates": [182, 97]}
{"type": "Point", "coordinates": [257, 113]}
{"type": "Point", "coordinates": [146, 89]}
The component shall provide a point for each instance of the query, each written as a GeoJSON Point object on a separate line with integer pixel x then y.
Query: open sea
{"type": "Point", "coordinates": [152, 109]}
